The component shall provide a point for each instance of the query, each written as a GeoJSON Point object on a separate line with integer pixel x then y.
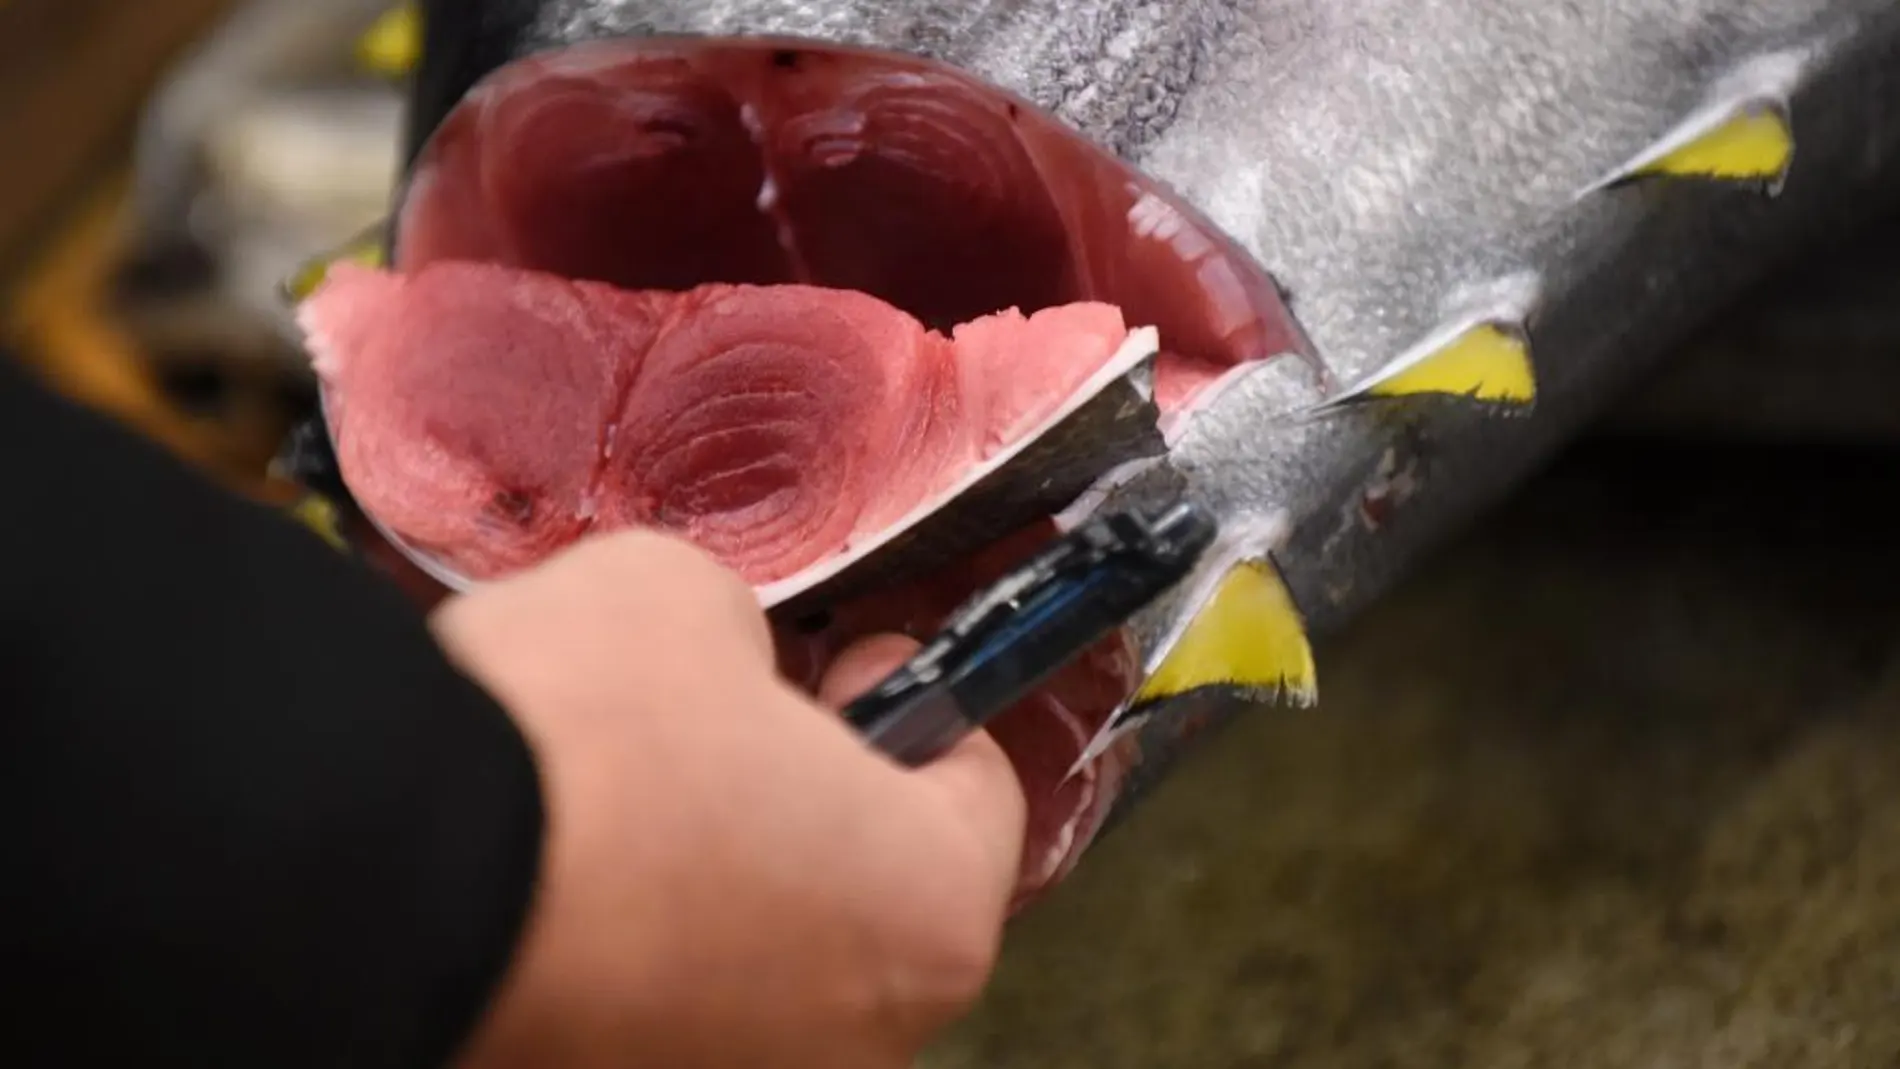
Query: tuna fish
{"type": "Point", "coordinates": [1395, 252]}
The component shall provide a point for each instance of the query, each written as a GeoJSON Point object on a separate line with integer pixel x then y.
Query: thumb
{"type": "Point", "coordinates": [980, 785]}
{"type": "Point", "coordinates": [976, 777]}
{"type": "Point", "coordinates": [863, 666]}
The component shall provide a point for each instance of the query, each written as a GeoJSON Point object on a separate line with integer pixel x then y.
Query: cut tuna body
{"type": "Point", "coordinates": [1474, 205]}
{"type": "Point", "coordinates": [856, 324]}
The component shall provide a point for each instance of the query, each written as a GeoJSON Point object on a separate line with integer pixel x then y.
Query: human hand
{"type": "Point", "coordinates": [731, 877]}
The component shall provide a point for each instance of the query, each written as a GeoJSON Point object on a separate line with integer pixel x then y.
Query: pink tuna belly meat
{"type": "Point", "coordinates": [471, 412]}
{"type": "Point", "coordinates": [766, 425]}
{"type": "Point", "coordinates": [491, 415]}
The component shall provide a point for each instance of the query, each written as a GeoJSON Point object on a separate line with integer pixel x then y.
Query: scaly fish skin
{"type": "Point", "coordinates": [1406, 170]}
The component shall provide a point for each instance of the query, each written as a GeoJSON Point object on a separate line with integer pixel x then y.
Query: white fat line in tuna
{"type": "Point", "coordinates": [769, 203]}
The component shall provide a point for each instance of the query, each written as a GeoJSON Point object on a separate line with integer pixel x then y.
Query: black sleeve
{"type": "Point", "coordinates": [252, 815]}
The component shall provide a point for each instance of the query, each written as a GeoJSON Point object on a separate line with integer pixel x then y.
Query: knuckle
{"type": "Point", "coordinates": [660, 576]}
{"type": "Point", "coordinates": [653, 564]}
{"type": "Point", "coordinates": [927, 988]}
{"type": "Point", "coordinates": [643, 552]}
{"type": "Point", "coordinates": [971, 961]}
{"type": "Point", "coordinates": [956, 965]}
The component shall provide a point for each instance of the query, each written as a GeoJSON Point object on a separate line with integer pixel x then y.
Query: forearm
{"type": "Point", "coordinates": [254, 817]}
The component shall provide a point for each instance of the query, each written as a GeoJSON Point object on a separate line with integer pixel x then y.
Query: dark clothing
{"type": "Point", "coordinates": [252, 816]}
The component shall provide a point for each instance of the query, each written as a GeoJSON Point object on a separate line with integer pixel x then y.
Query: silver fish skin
{"type": "Point", "coordinates": [1392, 163]}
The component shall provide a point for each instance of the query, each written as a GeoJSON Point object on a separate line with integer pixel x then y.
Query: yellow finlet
{"type": "Point", "coordinates": [1487, 361]}
{"type": "Point", "coordinates": [1741, 135]}
{"type": "Point", "coordinates": [365, 248]}
{"type": "Point", "coordinates": [317, 513]}
{"type": "Point", "coordinates": [392, 46]}
{"type": "Point", "coordinates": [1248, 635]}
{"type": "Point", "coordinates": [1753, 144]}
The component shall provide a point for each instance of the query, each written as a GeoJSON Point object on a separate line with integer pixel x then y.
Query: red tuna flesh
{"type": "Point", "coordinates": [491, 415]}
{"type": "Point", "coordinates": [665, 165]}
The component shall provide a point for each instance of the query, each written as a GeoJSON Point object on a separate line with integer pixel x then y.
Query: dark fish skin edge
{"type": "Point", "coordinates": [1600, 327]}
{"type": "Point", "coordinates": [461, 43]}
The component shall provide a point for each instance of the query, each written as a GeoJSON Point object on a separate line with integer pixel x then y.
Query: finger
{"type": "Point", "coordinates": [975, 777]}
{"type": "Point", "coordinates": [657, 576]}
{"type": "Point", "coordinates": [863, 666]}
{"type": "Point", "coordinates": [981, 785]}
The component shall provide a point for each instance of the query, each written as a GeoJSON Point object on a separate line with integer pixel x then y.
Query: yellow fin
{"type": "Point", "coordinates": [392, 46]}
{"type": "Point", "coordinates": [365, 248]}
{"type": "Point", "coordinates": [1488, 362]}
{"type": "Point", "coordinates": [1755, 144]}
{"type": "Point", "coordinates": [1248, 635]}
{"type": "Point", "coordinates": [317, 513]}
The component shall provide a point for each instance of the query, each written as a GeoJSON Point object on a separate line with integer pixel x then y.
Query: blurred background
{"type": "Point", "coordinates": [171, 164]}
{"type": "Point", "coordinates": [1615, 781]}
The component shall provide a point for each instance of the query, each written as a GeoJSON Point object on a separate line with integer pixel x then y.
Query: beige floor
{"type": "Point", "coordinates": [1614, 783]}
